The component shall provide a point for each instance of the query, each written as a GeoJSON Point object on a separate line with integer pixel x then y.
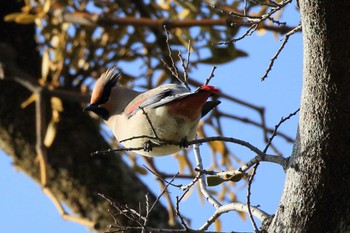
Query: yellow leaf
{"type": "Point", "coordinates": [11, 17]}
{"type": "Point", "coordinates": [218, 225]}
{"type": "Point", "coordinates": [200, 195]}
{"type": "Point", "coordinates": [242, 215]}
{"type": "Point", "coordinates": [50, 133]}
{"type": "Point", "coordinates": [222, 194]}
{"type": "Point", "coordinates": [261, 31]}
{"type": "Point", "coordinates": [183, 14]}
{"type": "Point", "coordinates": [56, 104]}
{"type": "Point", "coordinates": [188, 194]}
{"type": "Point", "coordinates": [45, 65]}
{"type": "Point", "coordinates": [182, 162]}
{"type": "Point", "coordinates": [179, 33]}
{"type": "Point", "coordinates": [164, 4]}
{"type": "Point", "coordinates": [139, 169]}
{"type": "Point", "coordinates": [27, 8]}
{"type": "Point", "coordinates": [200, 130]}
{"type": "Point", "coordinates": [47, 6]}
{"type": "Point", "coordinates": [25, 19]}
{"type": "Point", "coordinates": [218, 146]}
{"type": "Point", "coordinates": [28, 101]}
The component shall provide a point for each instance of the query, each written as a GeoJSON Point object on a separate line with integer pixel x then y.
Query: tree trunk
{"type": "Point", "coordinates": [73, 175]}
{"type": "Point", "coordinates": [316, 195]}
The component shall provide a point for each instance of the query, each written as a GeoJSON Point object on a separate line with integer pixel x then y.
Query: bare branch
{"type": "Point", "coordinates": [202, 183]}
{"type": "Point", "coordinates": [250, 180]}
{"type": "Point", "coordinates": [85, 18]}
{"type": "Point", "coordinates": [210, 76]}
{"type": "Point", "coordinates": [235, 206]}
{"type": "Point", "coordinates": [254, 21]}
{"type": "Point", "coordinates": [273, 59]}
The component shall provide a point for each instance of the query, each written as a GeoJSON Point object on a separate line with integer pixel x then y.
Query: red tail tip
{"type": "Point", "coordinates": [211, 89]}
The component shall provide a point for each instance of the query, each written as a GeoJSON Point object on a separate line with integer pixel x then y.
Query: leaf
{"type": "Point", "coordinates": [45, 65]}
{"type": "Point", "coordinates": [50, 133]}
{"type": "Point", "coordinates": [182, 162]}
{"type": "Point", "coordinates": [25, 18]}
{"type": "Point", "coordinates": [56, 104]}
{"type": "Point", "coordinates": [218, 147]}
{"type": "Point", "coordinates": [47, 6]}
{"type": "Point", "coordinates": [139, 169]}
{"type": "Point", "coordinates": [223, 192]}
{"type": "Point", "coordinates": [243, 215]}
{"type": "Point", "coordinates": [236, 177]}
{"type": "Point", "coordinates": [11, 17]}
{"type": "Point", "coordinates": [188, 194]}
{"type": "Point", "coordinates": [214, 180]}
{"type": "Point", "coordinates": [218, 226]}
{"type": "Point", "coordinates": [223, 55]}
{"type": "Point", "coordinates": [28, 101]}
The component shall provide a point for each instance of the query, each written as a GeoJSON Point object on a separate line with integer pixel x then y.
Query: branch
{"type": "Point", "coordinates": [273, 59]}
{"type": "Point", "coordinates": [254, 21]}
{"type": "Point", "coordinates": [13, 73]}
{"type": "Point", "coordinates": [202, 183]}
{"type": "Point", "coordinates": [93, 20]}
{"type": "Point", "coordinates": [235, 206]}
{"type": "Point", "coordinates": [250, 180]}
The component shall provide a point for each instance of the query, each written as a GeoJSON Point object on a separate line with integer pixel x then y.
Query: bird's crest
{"type": "Point", "coordinates": [104, 85]}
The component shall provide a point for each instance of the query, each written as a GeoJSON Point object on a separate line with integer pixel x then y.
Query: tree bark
{"type": "Point", "coordinates": [317, 188]}
{"type": "Point", "coordinates": [73, 175]}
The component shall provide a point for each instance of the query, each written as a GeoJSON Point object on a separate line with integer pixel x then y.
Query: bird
{"type": "Point", "coordinates": [146, 122]}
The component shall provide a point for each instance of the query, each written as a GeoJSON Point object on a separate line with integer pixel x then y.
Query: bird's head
{"type": "Point", "coordinates": [102, 92]}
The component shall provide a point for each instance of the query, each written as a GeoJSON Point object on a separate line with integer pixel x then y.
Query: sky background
{"type": "Point", "coordinates": [25, 208]}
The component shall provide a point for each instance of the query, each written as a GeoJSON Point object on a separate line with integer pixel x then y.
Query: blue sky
{"type": "Point", "coordinates": [25, 208]}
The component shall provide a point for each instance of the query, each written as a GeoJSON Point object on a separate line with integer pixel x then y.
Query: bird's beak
{"type": "Point", "coordinates": [90, 107]}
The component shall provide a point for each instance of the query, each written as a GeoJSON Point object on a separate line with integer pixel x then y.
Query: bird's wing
{"type": "Point", "coordinates": [157, 97]}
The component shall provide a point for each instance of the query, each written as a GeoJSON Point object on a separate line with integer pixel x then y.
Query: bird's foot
{"type": "Point", "coordinates": [183, 143]}
{"type": "Point", "coordinates": [148, 146]}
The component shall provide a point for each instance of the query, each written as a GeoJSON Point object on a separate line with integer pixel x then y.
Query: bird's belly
{"type": "Point", "coordinates": [157, 127]}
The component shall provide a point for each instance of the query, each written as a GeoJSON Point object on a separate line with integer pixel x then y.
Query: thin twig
{"type": "Point", "coordinates": [273, 59]}
{"type": "Point", "coordinates": [196, 141]}
{"type": "Point", "coordinates": [185, 74]}
{"type": "Point", "coordinates": [187, 61]}
{"type": "Point", "coordinates": [250, 180]}
{"type": "Point", "coordinates": [163, 191]}
{"type": "Point", "coordinates": [202, 183]}
{"type": "Point", "coordinates": [40, 147]}
{"type": "Point", "coordinates": [161, 177]}
{"type": "Point", "coordinates": [210, 76]}
{"type": "Point", "coordinates": [183, 223]}
{"type": "Point", "coordinates": [255, 21]}
{"type": "Point", "coordinates": [170, 53]}
{"type": "Point", "coordinates": [150, 123]}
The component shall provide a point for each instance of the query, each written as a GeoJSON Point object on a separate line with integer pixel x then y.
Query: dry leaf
{"type": "Point", "coordinates": [56, 104]}
{"type": "Point", "coordinates": [28, 101]}
{"type": "Point", "coordinates": [25, 18]}
{"type": "Point", "coordinates": [50, 133]}
{"type": "Point", "coordinates": [218, 226]}
{"type": "Point", "coordinates": [45, 65]}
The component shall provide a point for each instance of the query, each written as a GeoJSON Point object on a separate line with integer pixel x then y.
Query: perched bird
{"type": "Point", "coordinates": [144, 119]}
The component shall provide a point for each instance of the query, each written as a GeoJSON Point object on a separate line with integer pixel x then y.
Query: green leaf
{"type": "Point", "coordinates": [214, 180]}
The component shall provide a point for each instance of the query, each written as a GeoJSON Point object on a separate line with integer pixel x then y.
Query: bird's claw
{"type": "Point", "coordinates": [148, 146]}
{"type": "Point", "coordinates": [183, 143]}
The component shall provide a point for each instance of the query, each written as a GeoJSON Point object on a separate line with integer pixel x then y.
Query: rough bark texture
{"type": "Point", "coordinates": [73, 175]}
{"type": "Point", "coordinates": [317, 188]}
